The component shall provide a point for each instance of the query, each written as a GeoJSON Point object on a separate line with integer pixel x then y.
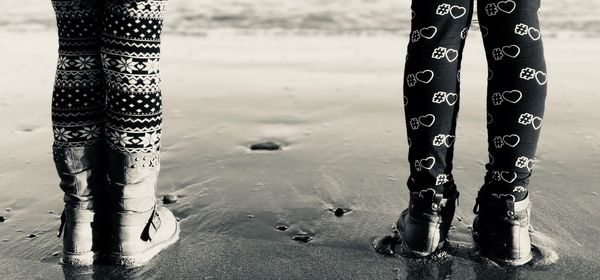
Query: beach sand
{"type": "Point", "coordinates": [335, 104]}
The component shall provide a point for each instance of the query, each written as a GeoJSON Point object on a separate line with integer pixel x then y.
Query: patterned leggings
{"type": "Point", "coordinates": [515, 99]}
{"type": "Point", "coordinates": [107, 79]}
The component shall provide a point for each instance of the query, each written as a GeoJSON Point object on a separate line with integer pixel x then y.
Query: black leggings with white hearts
{"type": "Point", "coordinates": [515, 98]}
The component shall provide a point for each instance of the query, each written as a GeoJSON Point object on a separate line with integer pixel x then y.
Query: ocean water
{"type": "Point", "coordinates": [199, 17]}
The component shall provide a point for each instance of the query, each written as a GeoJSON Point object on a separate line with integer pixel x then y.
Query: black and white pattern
{"type": "Point", "coordinates": [108, 81]}
{"type": "Point", "coordinates": [517, 84]}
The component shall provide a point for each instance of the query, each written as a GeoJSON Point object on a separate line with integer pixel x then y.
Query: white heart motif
{"type": "Point", "coordinates": [511, 51]}
{"type": "Point", "coordinates": [425, 76]}
{"type": "Point", "coordinates": [427, 163]}
{"type": "Point", "coordinates": [428, 32]}
{"type": "Point", "coordinates": [451, 55]}
{"type": "Point", "coordinates": [530, 165]}
{"type": "Point", "coordinates": [484, 31]}
{"type": "Point", "coordinates": [457, 12]}
{"type": "Point", "coordinates": [451, 98]}
{"type": "Point", "coordinates": [534, 33]}
{"type": "Point", "coordinates": [537, 123]}
{"type": "Point", "coordinates": [512, 96]}
{"type": "Point", "coordinates": [427, 120]}
{"type": "Point", "coordinates": [507, 6]}
{"type": "Point", "coordinates": [541, 78]}
{"type": "Point", "coordinates": [506, 178]}
{"type": "Point", "coordinates": [511, 140]}
{"type": "Point", "coordinates": [449, 140]}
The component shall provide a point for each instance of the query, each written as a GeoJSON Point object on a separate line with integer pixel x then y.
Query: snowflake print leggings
{"type": "Point", "coordinates": [515, 98]}
{"type": "Point", "coordinates": [107, 79]}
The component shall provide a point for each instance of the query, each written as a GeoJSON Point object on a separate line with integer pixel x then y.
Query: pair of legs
{"type": "Point", "coordinates": [106, 116]}
{"type": "Point", "coordinates": [515, 105]}
{"type": "Point", "coordinates": [515, 96]}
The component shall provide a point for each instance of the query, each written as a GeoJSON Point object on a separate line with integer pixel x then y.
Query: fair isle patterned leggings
{"type": "Point", "coordinates": [107, 78]}
{"type": "Point", "coordinates": [515, 99]}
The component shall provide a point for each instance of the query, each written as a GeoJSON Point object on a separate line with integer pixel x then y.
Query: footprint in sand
{"type": "Point", "coordinates": [338, 212]}
{"type": "Point", "coordinates": [302, 238]}
{"type": "Point", "coordinates": [282, 228]}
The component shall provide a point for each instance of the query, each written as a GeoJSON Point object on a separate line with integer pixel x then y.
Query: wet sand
{"type": "Point", "coordinates": [335, 106]}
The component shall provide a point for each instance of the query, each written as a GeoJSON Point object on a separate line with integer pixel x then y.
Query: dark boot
{"type": "Point", "coordinates": [424, 226]}
{"type": "Point", "coordinates": [140, 227]}
{"type": "Point", "coordinates": [501, 229]}
{"type": "Point", "coordinates": [83, 221]}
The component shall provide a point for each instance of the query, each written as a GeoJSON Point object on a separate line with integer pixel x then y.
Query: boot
{"type": "Point", "coordinates": [424, 226]}
{"type": "Point", "coordinates": [83, 222]}
{"type": "Point", "coordinates": [501, 229]}
{"type": "Point", "coordinates": [140, 227]}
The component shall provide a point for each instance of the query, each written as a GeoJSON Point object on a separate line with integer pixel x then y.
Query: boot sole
{"type": "Point", "coordinates": [87, 259]}
{"type": "Point", "coordinates": [501, 261]}
{"type": "Point", "coordinates": [406, 251]}
{"type": "Point", "coordinates": [143, 258]}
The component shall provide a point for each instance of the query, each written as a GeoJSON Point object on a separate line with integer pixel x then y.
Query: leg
{"type": "Point", "coordinates": [516, 96]}
{"type": "Point", "coordinates": [431, 89]}
{"type": "Point", "coordinates": [130, 56]}
{"type": "Point", "coordinates": [431, 93]}
{"type": "Point", "coordinates": [516, 92]}
{"type": "Point", "coordinates": [78, 115]}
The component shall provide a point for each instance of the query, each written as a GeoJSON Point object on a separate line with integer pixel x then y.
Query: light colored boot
{"type": "Point", "coordinates": [83, 222]}
{"type": "Point", "coordinates": [501, 229]}
{"type": "Point", "coordinates": [140, 227]}
{"type": "Point", "coordinates": [423, 227]}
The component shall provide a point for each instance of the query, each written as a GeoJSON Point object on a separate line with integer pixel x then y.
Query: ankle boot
{"type": "Point", "coordinates": [140, 227]}
{"type": "Point", "coordinates": [83, 222]}
{"type": "Point", "coordinates": [501, 229]}
{"type": "Point", "coordinates": [424, 226]}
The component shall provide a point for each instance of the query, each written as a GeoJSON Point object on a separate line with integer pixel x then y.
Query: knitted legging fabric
{"type": "Point", "coordinates": [515, 97]}
{"type": "Point", "coordinates": [107, 79]}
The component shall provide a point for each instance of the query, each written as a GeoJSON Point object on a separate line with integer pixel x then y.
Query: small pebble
{"type": "Point", "coordinates": [33, 235]}
{"type": "Point", "coordinates": [8, 210]}
{"type": "Point", "coordinates": [170, 198]}
{"type": "Point", "coordinates": [250, 216]}
{"type": "Point", "coordinates": [2, 219]}
{"type": "Point", "coordinates": [55, 253]}
{"type": "Point", "coordinates": [460, 219]}
{"type": "Point", "coordinates": [302, 238]}
{"type": "Point", "coordinates": [282, 228]}
{"type": "Point", "coordinates": [265, 146]}
{"type": "Point", "coordinates": [594, 193]}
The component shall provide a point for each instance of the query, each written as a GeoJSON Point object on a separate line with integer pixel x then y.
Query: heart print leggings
{"type": "Point", "coordinates": [515, 96]}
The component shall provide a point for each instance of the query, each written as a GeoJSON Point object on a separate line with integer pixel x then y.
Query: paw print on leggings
{"type": "Point", "coordinates": [441, 179]}
{"type": "Point", "coordinates": [414, 123]}
{"type": "Point", "coordinates": [443, 9]}
{"type": "Point", "coordinates": [525, 119]}
{"type": "Point", "coordinates": [439, 53]}
{"type": "Point", "coordinates": [498, 142]}
{"type": "Point", "coordinates": [415, 36]}
{"type": "Point", "coordinates": [491, 9]}
{"type": "Point", "coordinates": [411, 80]}
{"type": "Point", "coordinates": [439, 97]}
{"type": "Point", "coordinates": [521, 29]}
{"type": "Point", "coordinates": [527, 73]}
{"type": "Point", "coordinates": [498, 54]}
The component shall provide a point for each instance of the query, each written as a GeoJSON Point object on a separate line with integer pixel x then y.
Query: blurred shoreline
{"type": "Point", "coordinates": [563, 19]}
